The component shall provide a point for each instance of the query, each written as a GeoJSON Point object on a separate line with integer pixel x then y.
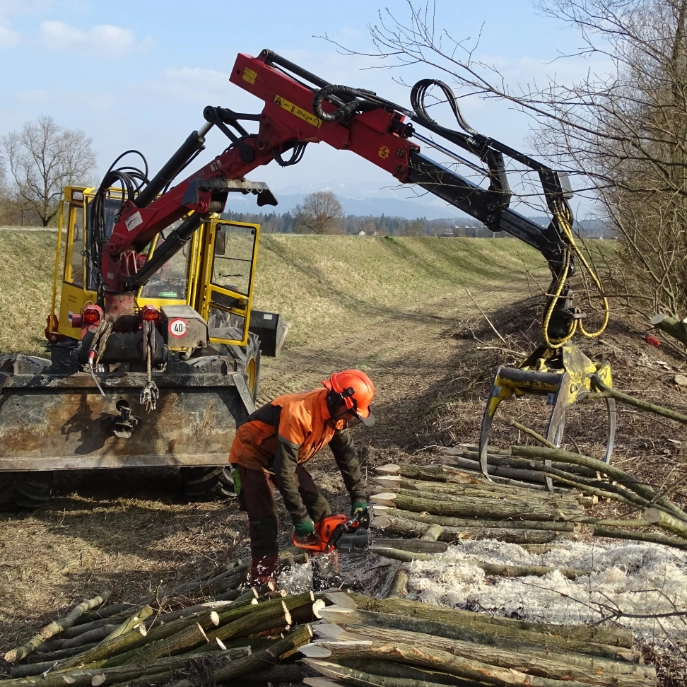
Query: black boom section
{"type": "Point", "coordinates": [482, 204]}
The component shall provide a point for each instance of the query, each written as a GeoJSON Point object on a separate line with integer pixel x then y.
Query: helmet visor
{"type": "Point", "coordinates": [368, 420]}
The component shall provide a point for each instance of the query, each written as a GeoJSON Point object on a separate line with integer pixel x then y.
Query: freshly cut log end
{"type": "Point", "coordinates": [320, 682]}
{"type": "Point", "coordinates": [389, 468]}
{"type": "Point", "coordinates": [315, 651]}
{"type": "Point", "coordinates": [342, 600]}
{"type": "Point", "coordinates": [98, 680]}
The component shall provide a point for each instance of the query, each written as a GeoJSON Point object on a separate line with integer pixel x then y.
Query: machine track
{"type": "Point", "coordinates": [25, 490]}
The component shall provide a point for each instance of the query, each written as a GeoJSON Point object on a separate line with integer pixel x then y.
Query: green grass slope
{"type": "Point", "coordinates": [337, 283]}
{"type": "Point", "coordinates": [26, 273]}
{"type": "Point", "coordinates": [322, 284]}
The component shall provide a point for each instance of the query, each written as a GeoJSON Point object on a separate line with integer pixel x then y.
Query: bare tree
{"type": "Point", "coordinates": [319, 214]}
{"type": "Point", "coordinates": [43, 157]}
{"type": "Point", "coordinates": [623, 133]}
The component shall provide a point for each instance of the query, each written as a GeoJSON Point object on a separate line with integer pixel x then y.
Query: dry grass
{"type": "Point", "coordinates": [25, 289]}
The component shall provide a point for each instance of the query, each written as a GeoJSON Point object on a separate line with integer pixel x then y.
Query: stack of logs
{"type": "Point", "coordinates": [398, 643]}
{"type": "Point", "coordinates": [458, 502]}
{"type": "Point", "coordinates": [359, 640]}
{"type": "Point", "coordinates": [236, 631]}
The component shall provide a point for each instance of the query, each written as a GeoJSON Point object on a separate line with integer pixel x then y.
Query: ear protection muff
{"type": "Point", "coordinates": [336, 398]}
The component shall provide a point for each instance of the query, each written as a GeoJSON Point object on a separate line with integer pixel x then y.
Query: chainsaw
{"type": "Point", "coordinates": [350, 535]}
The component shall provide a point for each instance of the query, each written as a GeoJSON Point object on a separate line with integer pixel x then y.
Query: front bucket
{"type": "Point", "coordinates": [271, 328]}
{"type": "Point", "coordinates": [64, 423]}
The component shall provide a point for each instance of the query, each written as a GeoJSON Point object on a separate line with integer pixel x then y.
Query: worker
{"type": "Point", "coordinates": [273, 444]}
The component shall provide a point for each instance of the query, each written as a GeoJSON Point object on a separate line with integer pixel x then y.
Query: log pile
{"type": "Point", "coordinates": [398, 643]}
{"type": "Point", "coordinates": [514, 505]}
{"type": "Point", "coordinates": [215, 628]}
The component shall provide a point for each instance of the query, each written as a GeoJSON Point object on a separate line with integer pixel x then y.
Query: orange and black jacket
{"type": "Point", "coordinates": [289, 431]}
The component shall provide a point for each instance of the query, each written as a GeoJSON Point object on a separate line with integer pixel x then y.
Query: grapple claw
{"type": "Point", "coordinates": [564, 375]}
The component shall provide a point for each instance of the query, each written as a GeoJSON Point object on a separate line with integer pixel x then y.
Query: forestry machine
{"type": "Point", "coordinates": [117, 355]}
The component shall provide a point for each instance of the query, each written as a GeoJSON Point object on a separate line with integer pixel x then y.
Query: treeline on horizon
{"type": "Point", "coordinates": [382, 225]}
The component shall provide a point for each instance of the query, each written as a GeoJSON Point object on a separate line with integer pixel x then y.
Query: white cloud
{"type": "Point", "coordinates": [8, 37]}
{"type": "Point", "coordinates": [104, 39]}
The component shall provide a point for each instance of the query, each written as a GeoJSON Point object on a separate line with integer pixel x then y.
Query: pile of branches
{"type": "Point", "coordinates": [251, 633]}
{"type": "Point", "coordinates": [658, 520]}
{"type": "Point", "coordinates": [454, 501]}
{"type": "Point", "coordinates": [399, 643]}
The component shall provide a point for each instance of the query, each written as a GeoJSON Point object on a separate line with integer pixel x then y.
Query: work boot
{"type": "Point", "coordinates": [263, 569]}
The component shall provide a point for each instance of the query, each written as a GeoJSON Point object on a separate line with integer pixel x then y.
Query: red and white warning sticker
{"type": "Point", "coordinates": [177, 327]}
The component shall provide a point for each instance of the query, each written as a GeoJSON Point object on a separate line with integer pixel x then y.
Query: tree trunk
{"type": "Point", "coordinates": [132, 622]}
{"type": "Point", "coordinates": [257, 661]}
{"type": "Point", "coordinates": [434, 659]}
{"type": "Point", "coordinates": [623, 478]}
{"type": "Point", "coordinates": [452, 616]}
{"type": "Point", "coordinates": [83, 677]}
{"type": "Point", "coordinates": [615, 533]}
{"type": "Point", "coordinates": [481, 508]}
{"type": "Point", "coordinates": [512, 524]}
{"type": "Point", "coordinates": [666, 521]}
{"type": "Point", "coordinates": [480, 530]}
{"type": "Point", "coordinates": [544, 663]}
{"type": "Point", "coordinates": [399, 585]}
{"type": "Point", "coordinates": [496, 569]}
{"type": "Point", "coordinates": [391, 669]}
{"type": "Point", "coordinates": [179, 643]}
{"type": "Point", "coordinates": [55, 628]}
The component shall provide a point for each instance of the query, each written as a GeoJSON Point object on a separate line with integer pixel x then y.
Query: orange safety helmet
{"type": "Point", "coordinates": [353, 388]}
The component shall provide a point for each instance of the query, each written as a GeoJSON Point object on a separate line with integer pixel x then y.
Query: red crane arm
{"type": "Point", "coordinates": [286, 119]}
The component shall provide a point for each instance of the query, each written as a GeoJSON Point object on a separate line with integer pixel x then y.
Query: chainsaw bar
{"type": "Point", "coordinates": [359, 540]}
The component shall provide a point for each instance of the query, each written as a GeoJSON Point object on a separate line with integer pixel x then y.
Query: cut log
{"type": "Point", "coordinates": [190, 611]}
{"type": "Point", "coordinates": [513, 523]}
{"type": "Point", "coordinates": [360, 678]}
{"type": "Point", "coordinates": [495, 569]}
{"type": "Point", "coordinates": [186, 640]}
{"type": "Point", "coordinates": [403, 527]}
{"type": "Point", "coordinates": [541, 662]}
{"type": "Point", "coordinates": [95, 635]}
{"type": "Point", "coordinates": [341, 599]}
{"type": "Point", "coordinates": [432, 533]}
{"type": "Point", "coordinates": [616, 533]}
{"type": "Point", "coordinates": [452, 616]}
{"type": "Point", "coordinates": [83, 677]}
{"type": "Point", "coordinates": [501, 474]}
{"type": "Point", "coordinates": [60, 654]}
{"type": "Point", "coordinates": [607, 391]}
{"type": "Point", "coordinates": [616, 474]}
{"type": "Point", "coordinates": [276, 614]}
{"type": "Point", "coordinates": [667, 521]}
{"type": "Point", "coordinates": [116, 651]}
{"type": "Point", "coordinates": [481, 490]}
{"type": "Point", "coordinates": [258, 661]}
{"type": "Point", "coordinates": [132, 622]}
{"type": "Point", "coordinates": [55, 628]}
{"type": "Point", "coordinates": [390, 669]}
{"type": "Point", "coordinates": [399, 585]}
{"type": "Point", "coordinates": [509, 460]}
{"type": "Point", "coordinates": [433, 659]}
{"type": "Point", "coordinates": [497, 509]}
{"type": "Point", "coordinates": [162, 640]}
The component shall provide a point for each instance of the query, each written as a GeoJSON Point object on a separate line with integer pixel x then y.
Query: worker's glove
{"type": "Point", "coordinates": [305, 528]}
{"type": "Point", "coordinates": [359, 508]}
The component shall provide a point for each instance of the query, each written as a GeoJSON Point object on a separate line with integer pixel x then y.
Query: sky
{"type": "Point", "coordinates": [138, 74]}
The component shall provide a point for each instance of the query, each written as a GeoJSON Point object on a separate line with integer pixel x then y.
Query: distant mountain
{"type": "Point", "coordinates": [365, 200]}
{"type": "Point", "coordinates": [392, 206]}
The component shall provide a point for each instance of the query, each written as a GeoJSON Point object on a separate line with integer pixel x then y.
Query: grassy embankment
{"type": "Point", "coordinates": [322, 284]}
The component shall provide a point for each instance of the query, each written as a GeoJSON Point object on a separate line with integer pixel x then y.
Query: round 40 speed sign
{"type": "Point", "coordinates": [177, 327]}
